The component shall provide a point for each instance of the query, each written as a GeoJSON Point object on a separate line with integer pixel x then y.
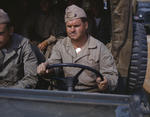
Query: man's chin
{"type": "Point", "coordinates": [72, 37]}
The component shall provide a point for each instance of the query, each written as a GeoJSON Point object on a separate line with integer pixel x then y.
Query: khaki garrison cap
{"type": "Point", "coordinates": [74, 12]}
{"type": "Point", "coordinates": [3, 17]}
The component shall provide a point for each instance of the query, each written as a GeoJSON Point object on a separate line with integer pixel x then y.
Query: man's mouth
{"type": "Point", "coordinates": [72, 34]}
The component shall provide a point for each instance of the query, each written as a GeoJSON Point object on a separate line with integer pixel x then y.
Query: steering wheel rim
{"type": "Point", "coordinates": [73, 79]}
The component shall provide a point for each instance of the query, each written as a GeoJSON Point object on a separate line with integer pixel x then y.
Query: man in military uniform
{"type": "Point", "coordinates": [18, 63]}
{"type": "Point", "coordinates": [81, 48]}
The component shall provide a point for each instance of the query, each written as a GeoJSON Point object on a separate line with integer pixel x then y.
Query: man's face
{"type": "Point", "coordinates": [76, 29]}
{"type": "Point", "coordinates": [4, 35]}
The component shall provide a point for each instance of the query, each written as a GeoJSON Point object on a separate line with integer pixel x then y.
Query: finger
{"type": "Point", "coordinates": [50, 71]}
{"type": "Point", "coordinates": [43, 47]}
{"type": "Point", "coordinates": [41, 68]}
{"type": "Point", "coordinates": [38, 71]}
{"type": "Point", "coordinates": [102, 83]}
{"type": "Point", "coordinates": [98, 80]}
{"type": "Point", "coordinates": [47, 71]}
{"type": "Point", "coordinates": [102, 87]}
{"type": "Point", "coordinates": [39, 45]}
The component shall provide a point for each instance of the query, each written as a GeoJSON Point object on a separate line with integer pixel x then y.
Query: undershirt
{"type": "Point", "coordinates": [78, 50]}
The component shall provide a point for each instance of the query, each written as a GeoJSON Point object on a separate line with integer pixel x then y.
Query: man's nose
{"type": "Point", "coordinates": [72, 29]}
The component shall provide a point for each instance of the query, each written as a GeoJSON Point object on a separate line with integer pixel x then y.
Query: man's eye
{"type": "Point", "coordinates": [77, 26]}
{"type": "Point", "coordinates": [68, 26]}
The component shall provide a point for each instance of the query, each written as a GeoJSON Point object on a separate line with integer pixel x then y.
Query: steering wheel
{"type": "Point", "coordinates": [72, 81]}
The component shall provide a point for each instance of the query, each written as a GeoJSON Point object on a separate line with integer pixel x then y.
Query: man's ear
{"type": "Point", "coordinates": [86, 25]}
{"type": "Point", "coordinates": [11, 30]}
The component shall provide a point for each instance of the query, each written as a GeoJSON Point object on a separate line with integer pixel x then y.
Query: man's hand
{"type": "Point", "coordinates": [102, 85]}
{"type": "Point", "coordinates": [43, 45]}
{"type": "Point", "coordinates": [41, 69]}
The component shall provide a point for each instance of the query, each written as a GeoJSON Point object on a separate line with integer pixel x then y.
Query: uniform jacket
{"type": "Point", "coordinates": [93, 54]}
{"type": "Point", "coordinates": [122, 34]}
{"type": "Point", "coordinates": [18, 69]}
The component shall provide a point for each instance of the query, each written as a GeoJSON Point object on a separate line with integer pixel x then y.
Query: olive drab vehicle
{"type": "Point", "coordinates": [130, 46]}
{"type": "Point", "coordinates": [130, 41]}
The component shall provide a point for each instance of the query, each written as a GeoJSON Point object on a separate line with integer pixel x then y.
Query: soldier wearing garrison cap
{"type": "Point", "coordinates": [81, 48]}
{"type": "Point", "coordinates": [17, 60]}
{"type": "Point", "coordinates": [73, 12]}
{"type": "Point", "coordinates": [3, 17]}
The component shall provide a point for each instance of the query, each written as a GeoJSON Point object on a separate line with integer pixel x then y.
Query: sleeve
{"type": "Point", "coordinates": [51, 39]}
{"type": "Point", "coordinates": [108, 68]}
{"type": "Point", "coordinates": [56, 54]}
{"type": "Point", "coordinates": [30, 65]}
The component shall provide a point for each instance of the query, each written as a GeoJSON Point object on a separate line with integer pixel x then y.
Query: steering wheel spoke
{"type": "Point", "coordinates": [78, 74]}
{"type": "Point", "coordinates": [72, 81]}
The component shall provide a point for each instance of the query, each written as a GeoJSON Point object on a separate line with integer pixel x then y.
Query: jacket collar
{"type": "Point", "coordinates": [12, 51]}
{"type": "Point", "coordinates": [92, 43]}
{"type": "Point", "coordinates": [71, 50]}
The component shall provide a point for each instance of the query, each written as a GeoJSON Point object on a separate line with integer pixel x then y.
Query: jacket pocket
{"type": "Point", "coordinates": [15, 73]}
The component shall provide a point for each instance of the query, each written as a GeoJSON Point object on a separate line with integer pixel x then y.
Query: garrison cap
{"type": "Point", "coordinates": [74, 12]}
{"type": "Point", "coordinates": [4, 18]}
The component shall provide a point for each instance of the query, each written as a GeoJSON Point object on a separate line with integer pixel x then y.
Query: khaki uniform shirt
{"type": "Point", "coordinates": [94, 54]}
{"type": "Point", "coordinates": [18, 69]}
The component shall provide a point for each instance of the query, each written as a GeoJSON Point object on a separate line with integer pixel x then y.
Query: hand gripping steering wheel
{"type": "Point", "coordinates": [72, 81]}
